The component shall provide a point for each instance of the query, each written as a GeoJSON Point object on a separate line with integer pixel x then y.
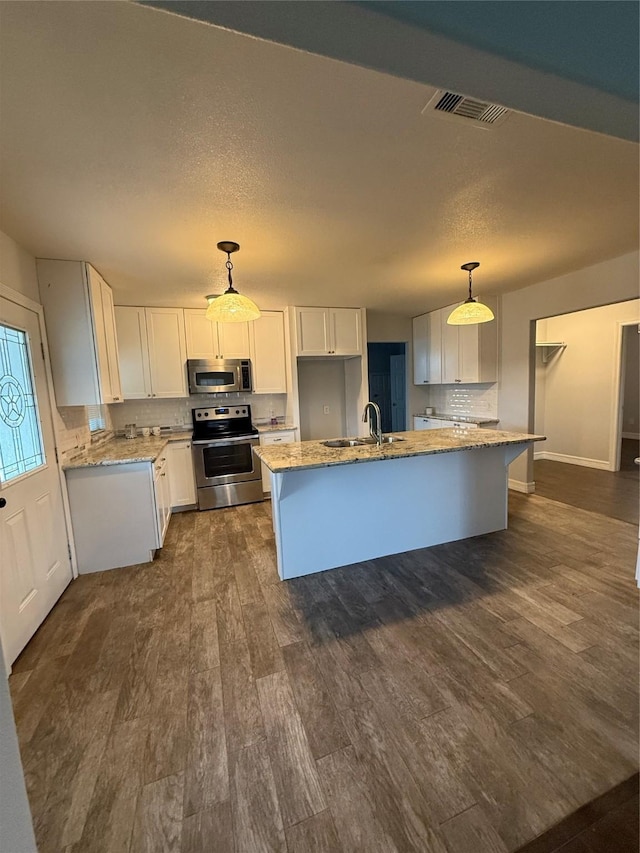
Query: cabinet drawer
{"type": "Point", "coordinates": [282, 437]}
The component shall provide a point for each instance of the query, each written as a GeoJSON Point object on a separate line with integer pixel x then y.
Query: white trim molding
{"type": "Point", "coordinates": [584, 462]}
{"type": "Point", "coordinates": [522, 486]}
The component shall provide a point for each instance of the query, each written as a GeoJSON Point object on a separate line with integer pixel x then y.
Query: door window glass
{"type": "Point", "coordinates": [21, 447]}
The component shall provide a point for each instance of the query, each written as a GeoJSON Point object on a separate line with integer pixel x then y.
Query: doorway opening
{"type": "Point", "coordinates": [388, 383]}
{"type": "Point", "coordinates": [628, 432]}
{"type": "Point", "coordinates": [586, 403]}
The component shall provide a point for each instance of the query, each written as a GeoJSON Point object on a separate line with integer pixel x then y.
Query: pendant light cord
{"type": "Point", "coordinates": [470, 297]}
{"type": "Point", "coordinates": [229, 266]}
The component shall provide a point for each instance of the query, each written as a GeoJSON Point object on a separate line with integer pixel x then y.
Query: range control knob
{"type": "Point", "coordinates": [237, 411]}
{"type": "Point", "coordinates": [206, 414]}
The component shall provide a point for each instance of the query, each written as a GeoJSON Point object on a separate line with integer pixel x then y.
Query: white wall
{"type": "Point", "coordinates": [18, 268]}
{"type": "Point", "coordinates": [580, 392]}
{"type": "Point", "coordinates": [631, 401]}
{"type": "Point", "coordinates": [321, 383]}
{"type": "Point", "coordinates": [611, 281]}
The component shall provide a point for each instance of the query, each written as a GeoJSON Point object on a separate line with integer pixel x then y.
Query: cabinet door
{"type": "Point", "coordinates": [434, 347]}
{"type": "Point", "coordinates": [167, 352]}
{"type": "Point", "coordinates": [468, 353]}
{"type": "Point", "coordinates": [133, 349]}
{"type": "Point", "coordinates": [268, 357]}
{"type": "Point", "coordinates": [233, 340]}
{"type": "Point", "coordinates": [112, 342]}
{"type": "Point", "coordinates": [162, 498]}
{"type": "Point", "coordinates": [313, 331]}
{"type": "Point", "coordinates": [420, 350]}
{"type": "Point", "coordinates": [201, 334]}
{"type": "Point", "coordinates": [99, 335]}
{"type": "Point", "coordinates": [345, 331]}
{"type": "Point", "coordinates": [450, 359]}
{"type": "Point", "coordinates": [182, 485]}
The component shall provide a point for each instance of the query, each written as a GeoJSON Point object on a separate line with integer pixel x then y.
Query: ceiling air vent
{"type": "Point", "coordinates": [453, 105]}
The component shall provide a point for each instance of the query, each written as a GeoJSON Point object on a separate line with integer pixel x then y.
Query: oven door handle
{"type": "Point", "coordinates": [216, 442]}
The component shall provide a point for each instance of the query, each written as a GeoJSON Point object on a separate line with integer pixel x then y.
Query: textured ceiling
{"type": "Point", "coordinates": [136, 140]}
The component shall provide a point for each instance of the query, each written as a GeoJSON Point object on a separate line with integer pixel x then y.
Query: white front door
{"type": "Point", "coordinates": [34, 558]}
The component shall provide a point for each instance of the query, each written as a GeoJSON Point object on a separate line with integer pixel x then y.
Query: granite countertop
{"type": "Point", "coordinates": [268, 427]}
{"type": "Point", "coordinates": [313, 454]}
{"type": "Point", "coordinates": [467, 419]}
{"type": "Point", "coordinates": [120, 451]}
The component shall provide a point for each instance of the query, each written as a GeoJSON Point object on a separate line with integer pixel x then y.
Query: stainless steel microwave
{"type": "Point", "coordinates": [213, 375]}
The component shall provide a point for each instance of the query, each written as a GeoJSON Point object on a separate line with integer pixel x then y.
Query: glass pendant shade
{"type": "Point", "coordinates": [469, 313]}
{"type": "Point", "coordinates": [231, 307]}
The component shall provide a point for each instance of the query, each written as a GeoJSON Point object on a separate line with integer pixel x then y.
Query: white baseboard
{"type": "Point", "coordinates": [634, 435]}
{"type": "Point", "coordinates": [600, 464]}
{"type": "Point", "coordinates": [521, 486]}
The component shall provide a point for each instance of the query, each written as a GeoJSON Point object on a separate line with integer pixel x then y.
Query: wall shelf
{"type": "Point", "coordinates": [550, 348]}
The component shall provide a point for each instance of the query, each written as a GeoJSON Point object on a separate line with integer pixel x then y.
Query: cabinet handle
{"type": "Point", "coordinates": [164, 459]}
{"type": "Point", "coordinates": [153, 395]}
{"type": "Point", "coordinates": [116, 398]}
{"type": "Point", "coordinates": [163, 474]}
{"type": "Point", "coordinates": [148, 395]}
{"type": "Point", "coordinates": [458, 380]}
{"type": "Point", "coordinates": [425, 381]}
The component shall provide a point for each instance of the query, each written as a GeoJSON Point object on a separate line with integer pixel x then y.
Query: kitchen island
{"type": "Point", "coordinates": [334, 506]}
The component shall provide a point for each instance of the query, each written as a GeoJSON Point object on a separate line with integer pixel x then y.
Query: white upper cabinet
{"type": "Point", "coordinates": [447, 355]}
{"type": "Point", "coordinates": [329, 331]}
{"type": "Point", "coordinates": [78, 307]}
{"type": "Point", "coordinates": [215, 340]}
{"type": "Point", "coordinates": [111, 341]}
{"type": "Point", "coordinates": [427, 349]}
{"type": "Point", "coordinates": [153, 353]}
{"type": "Point", "coordinates": [268, 353]}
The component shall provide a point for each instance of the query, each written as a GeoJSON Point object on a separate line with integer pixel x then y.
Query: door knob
{"type": "Point", "coordinates": [3, 502]}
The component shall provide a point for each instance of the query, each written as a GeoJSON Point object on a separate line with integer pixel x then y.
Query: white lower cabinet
{"type": "Point", "coordinates": [162, 496]}
{"type": "Point", "coordinates": [182, 484]}
{"type": "Point", "coordinates": [119, 513]}
{"type": "Point", "coordinates": [283, 436]}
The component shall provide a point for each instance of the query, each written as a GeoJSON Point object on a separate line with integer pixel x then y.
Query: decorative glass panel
{"type": "Point", "coordinates": [21, 447]}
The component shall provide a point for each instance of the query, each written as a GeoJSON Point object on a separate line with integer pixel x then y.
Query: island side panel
{"type": "Point", "coordinates": [335, 516]}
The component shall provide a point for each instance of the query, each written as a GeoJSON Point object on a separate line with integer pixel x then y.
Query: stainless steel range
{"type": "Point", "coordinates": [227, 472]}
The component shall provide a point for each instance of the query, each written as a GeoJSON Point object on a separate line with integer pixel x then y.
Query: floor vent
{"type": "Point", "coordinates": [481, 112]}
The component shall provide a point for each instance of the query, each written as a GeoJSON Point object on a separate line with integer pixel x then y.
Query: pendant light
{"type": "Point", "coordinates": [471, 311]}
{"type": "Point", "coordinates": [231, 306]}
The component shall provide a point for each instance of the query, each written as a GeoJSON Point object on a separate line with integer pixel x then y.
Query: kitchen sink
{"type": "Point", "coordinates": [356, 442]}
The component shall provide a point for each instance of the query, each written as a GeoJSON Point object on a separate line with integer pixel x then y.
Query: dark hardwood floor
{"type": "Point", "coordinates": [612, 493]}
{"type": "Point", "coordinates": [462, 698]}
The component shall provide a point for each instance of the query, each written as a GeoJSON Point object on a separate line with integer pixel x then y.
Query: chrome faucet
{"type": "Point", "coordinates": [377, 431]}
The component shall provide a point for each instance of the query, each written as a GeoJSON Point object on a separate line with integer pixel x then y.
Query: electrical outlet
{"type": "Point", "coordinates": [325, 410]}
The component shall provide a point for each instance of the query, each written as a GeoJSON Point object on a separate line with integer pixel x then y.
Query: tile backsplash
{"type": "Point", "coordinates": [476, 400]}
{"type": "Point", "coordinates": [177, 411]}
{"type": "Point", "coordinates": [72, 430]}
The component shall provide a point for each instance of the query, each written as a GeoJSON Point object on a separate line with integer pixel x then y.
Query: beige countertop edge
{"type": "Point", "coordinates": [119, 451]}
{"type": "Point", "coordinates": [274, 427]}
{"type": "Point", "coordinates": [313, 454]}
{"type": "Point", "coordinates": [467, 419]}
